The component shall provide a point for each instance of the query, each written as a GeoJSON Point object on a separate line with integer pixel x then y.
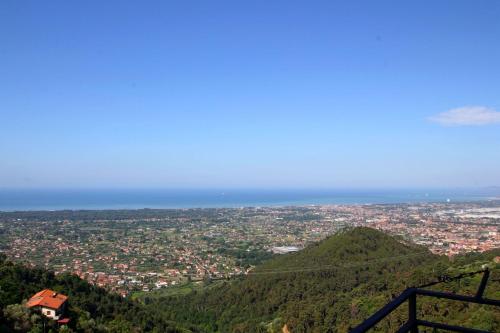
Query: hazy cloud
{"type": "Point", "coordinates": [467, 115]}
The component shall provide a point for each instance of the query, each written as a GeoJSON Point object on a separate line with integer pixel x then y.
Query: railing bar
{"type": "Point", "coordinates": [382, 313]}
{"type": "Point", "coordinates": [413, 322]}
{"type": "Point", "coordinates": [449, 279]}
{"type": "Point", "coordinates": [449, 327]}
{"type": "Point", "coordinates": [456, 297]}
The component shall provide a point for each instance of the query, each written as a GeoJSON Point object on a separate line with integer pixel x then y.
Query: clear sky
{"type": "Point", "coordinates": [249, 94]}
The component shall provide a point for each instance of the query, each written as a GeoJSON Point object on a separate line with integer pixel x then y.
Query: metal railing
{"type": "Point", "coordinates": [413, 322]}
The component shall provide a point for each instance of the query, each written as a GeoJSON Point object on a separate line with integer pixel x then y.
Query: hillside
{"type": "Point", "coordinates": [330, 285]}
{"type": "Point", "coordinates": [327, 287]}
{"type": "Point", "coordinates": [346, 248]}
{"type": "Point", "coordinates": [91, 309]}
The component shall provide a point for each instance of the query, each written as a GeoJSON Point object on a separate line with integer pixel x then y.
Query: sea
{"type": "Point", "coordinates": [93, 199]}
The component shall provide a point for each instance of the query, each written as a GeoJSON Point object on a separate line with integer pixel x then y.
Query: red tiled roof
{"type": "Point", "coordinates": [47, 298]}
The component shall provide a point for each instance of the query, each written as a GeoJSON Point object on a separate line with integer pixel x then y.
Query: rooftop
{"type": "Point", "coordinates": [47, 298]}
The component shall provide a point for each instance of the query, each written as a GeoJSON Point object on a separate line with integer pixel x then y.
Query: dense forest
{"type": "Point", "coordinates": [328, 287]}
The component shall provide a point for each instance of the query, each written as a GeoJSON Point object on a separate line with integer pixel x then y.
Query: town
{"type": "Point", "coordinates": [145, 250]}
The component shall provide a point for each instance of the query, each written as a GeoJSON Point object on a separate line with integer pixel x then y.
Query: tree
{"type": "Point", "coordinates": [65, 329]}
{"type": "Point", "coordinates": [19, 316]}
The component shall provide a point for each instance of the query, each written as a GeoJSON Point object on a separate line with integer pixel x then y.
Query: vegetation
{"type": "Point", "coordinates": [91, 309]}
{"type": "Point", "coordinates": [332, 286]}
{"type": "Point", "coordinates": [328, 287]}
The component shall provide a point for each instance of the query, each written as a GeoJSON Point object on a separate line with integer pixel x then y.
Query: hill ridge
{"type": "Point", "coordinates": [349, 245]}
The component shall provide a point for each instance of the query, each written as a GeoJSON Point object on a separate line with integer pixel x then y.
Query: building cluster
{"type": "Point", "coordinates": [144, 250]}
{"type": "Point", "coordinates": [446, 229]}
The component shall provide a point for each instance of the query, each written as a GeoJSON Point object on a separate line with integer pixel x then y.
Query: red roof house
{"type": "Point", "coordinates": [50, 303]}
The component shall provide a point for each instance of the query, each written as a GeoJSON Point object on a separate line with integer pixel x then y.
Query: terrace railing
{"type": "Point", "coordinates": [411, 295]}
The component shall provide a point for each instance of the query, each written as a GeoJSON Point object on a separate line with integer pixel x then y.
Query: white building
{"type": "Point", "coordinates": [284, 249]}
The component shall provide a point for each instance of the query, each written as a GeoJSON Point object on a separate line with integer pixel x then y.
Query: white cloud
{"type": "Point", "coordinates": [467, 115]}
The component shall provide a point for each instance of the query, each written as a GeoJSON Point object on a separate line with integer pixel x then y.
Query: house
{"type": "Point", "coordinates": [50, 303]}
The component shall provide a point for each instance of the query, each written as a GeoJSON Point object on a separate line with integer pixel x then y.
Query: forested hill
{"type": "Point", "coordinates": [327, 287]}
{"type": "Point", "coordinates": [91, 309]}
{"type": "Point", "coordinates": [349, 247]}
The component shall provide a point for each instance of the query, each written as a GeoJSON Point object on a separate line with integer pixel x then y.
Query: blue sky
{"type": "Point", "coordinates": [249, 94]}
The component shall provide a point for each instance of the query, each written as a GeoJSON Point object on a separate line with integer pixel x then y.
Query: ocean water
{"type": "Point", "coordinates": [17, 200]}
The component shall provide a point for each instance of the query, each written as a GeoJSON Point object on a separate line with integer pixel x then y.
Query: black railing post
{"type": "Point", "coordinates": [482, 286]}
{"type": "Point", "coordinates": [412, 312]}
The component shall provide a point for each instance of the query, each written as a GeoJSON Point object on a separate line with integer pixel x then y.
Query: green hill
{"type": "Point", "coordinates": [347, 248]}
{"type": "Point", "coordinates": [327, 287]}
{"type": "Point", "coordinates": [308, 290]}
